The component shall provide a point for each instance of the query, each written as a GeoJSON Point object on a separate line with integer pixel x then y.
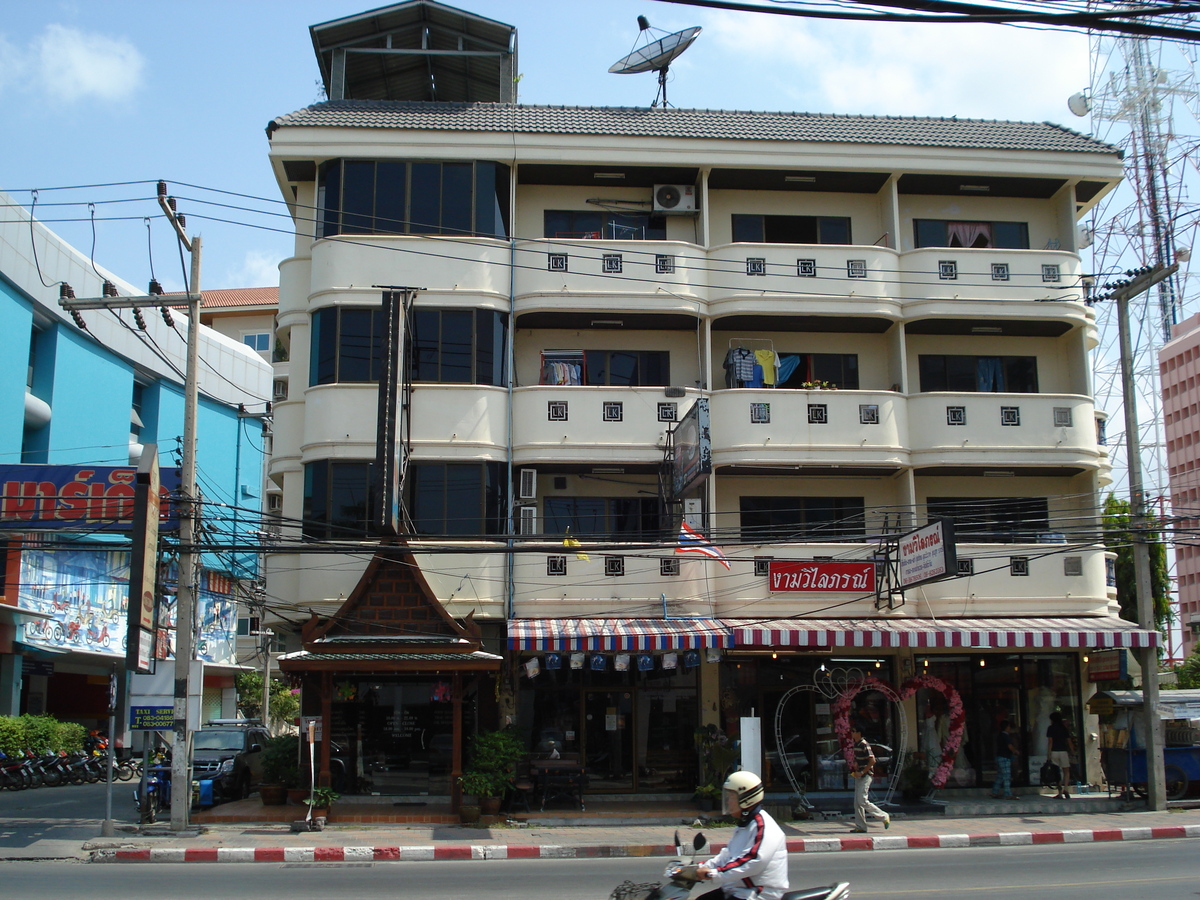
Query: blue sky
{"type": "Point", "coordinates": [107, 91]}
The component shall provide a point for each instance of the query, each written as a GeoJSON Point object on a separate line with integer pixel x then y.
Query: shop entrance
{"type": "Point", "coordinates": [394, 735]}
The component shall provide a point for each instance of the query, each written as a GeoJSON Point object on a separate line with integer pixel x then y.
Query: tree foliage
{"type": "Point", "coordinates": [1119, 537]}
{"type": "Point", "coordinates": [285, 706]}
{"type": "Point", "coordinates": [1188, 672]}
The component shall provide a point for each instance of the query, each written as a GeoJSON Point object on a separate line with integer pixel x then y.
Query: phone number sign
{"type": "Point", "coordinates": [151, 718]}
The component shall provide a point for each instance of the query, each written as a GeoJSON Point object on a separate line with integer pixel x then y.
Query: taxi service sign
{"type": "Point", "coordinates": [151, 718]}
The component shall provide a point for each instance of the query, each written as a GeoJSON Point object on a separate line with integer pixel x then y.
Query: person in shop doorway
{"type": "Point", "coordinates": [864, 767]}
{"type": "Point", "coordinates": [1061, 744]}
{"type": "Point", "coordinates": [1005, 751]}
{"type": "Point", "coordinates": [754, 864]}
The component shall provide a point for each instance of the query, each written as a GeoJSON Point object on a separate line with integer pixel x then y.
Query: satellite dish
{"type": "Point", "coordinates": [1080, 103]}
{"type": "Point", "coordinates": [655, 56]}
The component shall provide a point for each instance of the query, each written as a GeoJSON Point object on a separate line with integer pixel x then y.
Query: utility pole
{"type": "Point", "coordinates": [1122, 292]}
{"type": "Point", "coordinates": [181, 757]}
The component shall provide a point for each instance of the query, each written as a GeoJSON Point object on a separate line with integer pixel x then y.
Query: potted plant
{"type": "Point", "coordinates": [321, 800]}
{"type": "Point", "coordinates": [280, 769]}
{"type": "Point", "coordinates": [706, 795]}
{"type": "Point", "coordinates": [493, 758]}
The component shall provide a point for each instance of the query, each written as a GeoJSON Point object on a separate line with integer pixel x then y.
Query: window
{"type": "Point", "coordinates": [347, 345]}
{"type": "Point", "coordinates": [605, 224]}
{"type": "Point", "coordinates": [754, 229]}
{"type": "Point", "coordinates": [628, 368]}
{"type": "Point", "coordinates": [457, 346]}
{"type": "Point", "coordinates": [838, 369]}
{"type": "Point", "coordinates": [603, 518]}
{"type": "Point", "coordinates": [456, 498]}
{"type": "Point", "coordinates": [339, 499]}
{"type": "Point", "coordinates": [260, 341]}
{"type": "Point", "coordinates": [801, 518]}
{"type": "Point", "coordinates": [987, 374]}
{"type": "Point", "coordinates": [950, 233]}
{"type": "Point", "coordinates": [365, 196]}
{"type": "Point", "coordinates": [1004, 519]}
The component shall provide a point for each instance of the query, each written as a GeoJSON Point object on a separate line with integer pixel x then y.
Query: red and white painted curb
{"type": "Point", "coordinates": [551, 851]}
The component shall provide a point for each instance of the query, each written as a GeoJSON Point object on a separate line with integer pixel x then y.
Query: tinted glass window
{"type": "Point", "coordinates": [801, 518]}
{"type": "Point", "coordinates": [456, 198]}
{"type": "Point", "coordinates": [1011, 235]}
{"type": "Point", "coordinates": [455, 498]}
{"type": "Point", "coordinates": [355, 346]}
{"type": "Point", "coordinates": [987, 374]}
{"type": "Point", "coordinates": [615, 518]}
{"type": "Point", "coordinates": [457, 346]}
{"type": "Point", "coordinates": [426, 204]}
{"type": "Point", "coordinates": [390, 191]}
{"type": "Point", "coordinates": [338, 499]}
{"type": "Point", "coordinates": [332, 198]}
{"type": "Point", "coordinates": [994, 519]}
{"type": "Point", "coordinates": [323, 368]}
{"type": "Point", "coordinates": [747, 229]}
{"type": "Point", "coordinates": [358, 197]}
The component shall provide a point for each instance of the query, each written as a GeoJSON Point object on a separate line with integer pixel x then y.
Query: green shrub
{"type": "Point", "coordinates": [41, 733]}
{"type": "Point", "coordinates": [70, 736]}
{"type": "Point", "coordinates": [12, 735]}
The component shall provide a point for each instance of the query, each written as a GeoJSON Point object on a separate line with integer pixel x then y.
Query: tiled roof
{"type": "Point", "coordinates": [693, 123]}
{"type": "Point", "coordinates": [238, 297]}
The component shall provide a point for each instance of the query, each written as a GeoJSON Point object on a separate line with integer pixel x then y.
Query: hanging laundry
{"type": "Point", "coordinates": [768, 361]}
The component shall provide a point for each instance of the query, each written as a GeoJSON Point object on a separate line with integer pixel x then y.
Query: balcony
{"type": "Point", "coordinates": [959, 273]}
{"type": "Point", "coordinates": [650, 274]}
{"type": "Point", "coordinates": [803, 273]}
{"type": "Point", "coordinates": [778, 427]}
{"type": "Point", "coordinates": [467, 420]}
{"type": "Point", "coordinates": [461, 264]}
{"type": "Point", "coordinates": [1002, 429]}
{"type": "Point", "coordinates": [592, 424]}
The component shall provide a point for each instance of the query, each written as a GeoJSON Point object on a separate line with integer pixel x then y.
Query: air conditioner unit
{"type": "Point", "coordinates": [526, 520]}
{"type": "Point", "coordinates": [675, 199]}
{"type": "Point", "coordinates": [280, 389]}
{"type": "Point", "coordinates": [527, 489]}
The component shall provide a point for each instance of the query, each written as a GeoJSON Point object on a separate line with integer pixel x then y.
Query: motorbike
{"type": "Point", "coordinates": [683, 876]}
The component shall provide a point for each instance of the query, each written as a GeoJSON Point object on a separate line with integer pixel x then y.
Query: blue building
{"type": "Point", "coordinates": [96, 397]}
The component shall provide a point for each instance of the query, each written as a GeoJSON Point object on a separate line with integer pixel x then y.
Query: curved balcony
{"type": "Point", "coordinates": [478, 265]}
{"type": "Point", "coordinates": [788, 427]}
{"type": "Point", "coordinates": [651, 276]}
{"type": "Point", "coordinates": [466, 420]}
{"type": "Point", "coordinates": [592, 424]}
{"type": "Point", "coordinates": [961, 273]}
{"type": "Point", "coordinates": [1002, 430]}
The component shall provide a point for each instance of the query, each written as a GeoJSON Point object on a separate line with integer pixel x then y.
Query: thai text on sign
{"type": "Point", "coordinates": [820, 576]}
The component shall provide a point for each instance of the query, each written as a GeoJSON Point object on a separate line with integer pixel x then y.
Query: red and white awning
{"type": "Point", "coordinates": [1014, 634]}
{"type": "Point", "coordinates": [635, 635]}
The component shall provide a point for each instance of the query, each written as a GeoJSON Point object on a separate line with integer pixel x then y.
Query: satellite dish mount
{"type": "Point", "coordinates": [655, 56]}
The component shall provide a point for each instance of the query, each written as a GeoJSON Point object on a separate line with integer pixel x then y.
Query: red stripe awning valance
{"type": "Point", "coordinates": [565, 635]}
{"type": "Point", "coordinates": [1025, 633]}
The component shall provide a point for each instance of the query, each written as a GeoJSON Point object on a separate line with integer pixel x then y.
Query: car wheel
{"type": "Point", "coordinates": [244, 786]}
{"type": "Point", "coordinates": [1177, 783]}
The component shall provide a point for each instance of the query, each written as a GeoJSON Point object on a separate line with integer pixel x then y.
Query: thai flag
{"type": "Point", "coordinates": [692, 541]}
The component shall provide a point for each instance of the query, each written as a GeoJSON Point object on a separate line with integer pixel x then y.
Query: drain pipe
{"type": "Point", "coordinates": [510, 363]}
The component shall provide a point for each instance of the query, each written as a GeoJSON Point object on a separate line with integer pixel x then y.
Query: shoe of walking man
{"type": "Point", "coordinates": [864, 766]}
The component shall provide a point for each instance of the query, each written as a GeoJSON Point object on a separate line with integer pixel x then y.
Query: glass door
{"type": "Point", "coordinates": [608, 718]}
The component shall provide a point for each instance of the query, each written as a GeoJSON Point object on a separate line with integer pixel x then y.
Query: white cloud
{"type": "Point", "coordinates": [972, 71]}
{"type": "Point", "coordinates": [259, 268]}
{"type": "Point", "coordinates": [74, 66]}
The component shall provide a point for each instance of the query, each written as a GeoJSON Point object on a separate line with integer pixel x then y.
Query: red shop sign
{"type": "Point", "coordinates": [822, 577]}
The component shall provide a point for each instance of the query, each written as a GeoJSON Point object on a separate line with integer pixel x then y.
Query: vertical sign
{"type": "Point", "coordinates": [387, 468]}
{"type": "Point", "coordinates": [143, 565]}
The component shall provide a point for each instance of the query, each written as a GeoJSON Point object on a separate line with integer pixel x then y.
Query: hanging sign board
{"type": "Point", "coordinates": [928, 554]}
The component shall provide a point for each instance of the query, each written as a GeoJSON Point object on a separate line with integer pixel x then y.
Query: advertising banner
{"type": "Point", "coordinates": [79, 498]}
{"type": "Point", "coordinates": [822, 576]}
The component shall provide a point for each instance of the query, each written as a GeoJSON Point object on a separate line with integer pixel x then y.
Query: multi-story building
{"type": "Point", "coordinates": [75, 399]}
{"type": "Point", "coordinates": [1179, 370]}
{"type": "Point", "coordinates": [884, 319]}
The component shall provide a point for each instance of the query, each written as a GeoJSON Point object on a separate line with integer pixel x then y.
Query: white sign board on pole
{"type": "Point", "coordinates": [751, 731]}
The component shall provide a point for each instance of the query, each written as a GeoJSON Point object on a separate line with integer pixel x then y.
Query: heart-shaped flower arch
{"type": "Point", "coordinates": [958, 717]}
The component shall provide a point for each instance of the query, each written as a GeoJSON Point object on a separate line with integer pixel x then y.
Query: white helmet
{"type": "Point", "coordinates": [748, 787]}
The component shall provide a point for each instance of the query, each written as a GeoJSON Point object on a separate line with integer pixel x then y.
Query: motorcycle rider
{"type": "Point", "coordinates": [754, 864]}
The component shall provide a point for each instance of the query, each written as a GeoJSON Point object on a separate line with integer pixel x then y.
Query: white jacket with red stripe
{"type": "Point", "coordinates": [755, 864]}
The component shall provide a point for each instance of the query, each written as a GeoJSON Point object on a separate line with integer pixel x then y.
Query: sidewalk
{"type": "Point", "coordinates": [1078, 822]}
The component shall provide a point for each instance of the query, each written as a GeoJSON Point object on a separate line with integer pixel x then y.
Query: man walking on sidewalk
{"type": "Point", "coordinates": [1002, 788]}
{"type": "Point", "coordinates": [864, 766]}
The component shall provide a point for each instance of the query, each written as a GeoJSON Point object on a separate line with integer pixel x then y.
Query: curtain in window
{"type": "Point", "coordinates": [968, 234]}
{"type": "Point", "coordinates": [990, 374]}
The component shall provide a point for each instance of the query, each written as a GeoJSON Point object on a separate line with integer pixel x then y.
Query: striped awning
{"type": "Point", "coordinates": [596, 635]}
{"type": "Point", "coordinates": [1017, 634]}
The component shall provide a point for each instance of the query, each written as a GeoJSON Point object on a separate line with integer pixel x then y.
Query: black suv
{"type": "Point", "coordinates": [230, 753]}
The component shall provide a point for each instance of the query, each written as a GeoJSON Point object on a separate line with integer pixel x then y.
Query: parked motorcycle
{"type": "Point", "coordinates": [682, 877]}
